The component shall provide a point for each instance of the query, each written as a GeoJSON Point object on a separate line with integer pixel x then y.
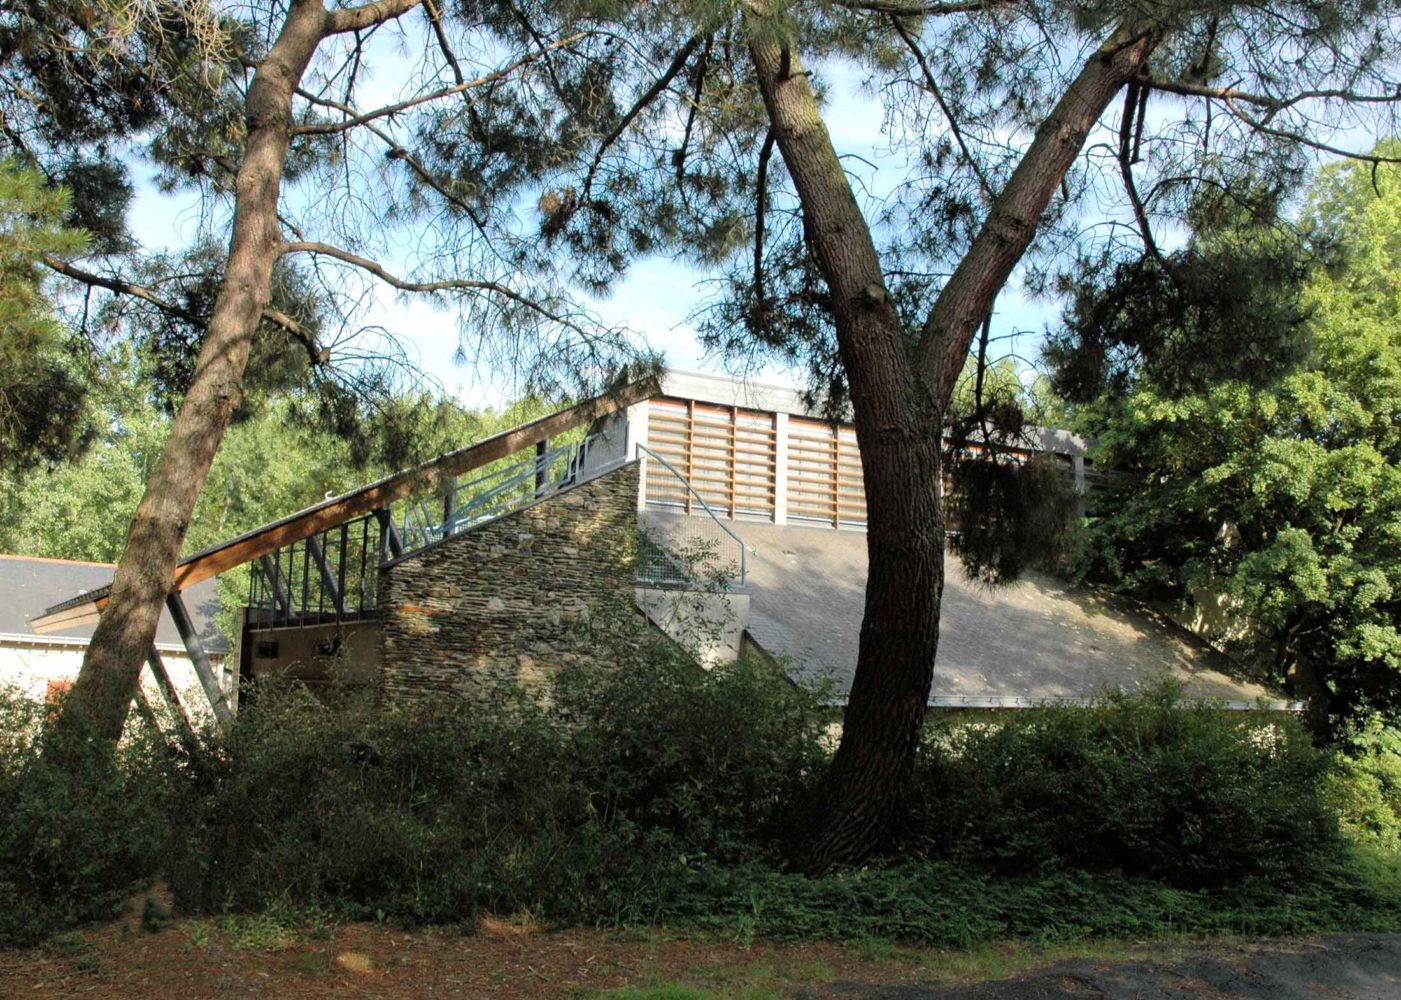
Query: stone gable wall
{"type": "Point", "coordinates": [510, 602]}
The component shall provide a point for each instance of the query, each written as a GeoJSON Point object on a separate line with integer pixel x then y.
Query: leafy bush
{"type": "Point", "coordinates": [587, 811]}
{"type": "Point", "coordinates": [1152, 786]}
{"type": "Point", "coordinates": [654, 792]}
{"type": "Point", "coordinates": [1365, 786]}
{"type": "Point", "coordinates": [81, 828]}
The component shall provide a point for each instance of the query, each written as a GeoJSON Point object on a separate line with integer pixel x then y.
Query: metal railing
{"type": "Point", "coordinates": [676, 548]}
{"type": "Point", "coordinates": [333, 576]}
{"type": "Point", "coordinates": [508, 487]}
{"type": "Point", "coordinates": [325, 578]}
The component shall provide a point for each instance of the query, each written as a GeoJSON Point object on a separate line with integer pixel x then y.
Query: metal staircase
{"type": "Point", "coordinates": [507, 487]}
{"type": "Point", "coordinates": [332, 576]}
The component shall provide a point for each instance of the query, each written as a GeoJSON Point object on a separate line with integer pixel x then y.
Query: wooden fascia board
{"type": "Point", "coordinates": [338, 510]}
{"type": "Point", "coordinates": [76, 616]}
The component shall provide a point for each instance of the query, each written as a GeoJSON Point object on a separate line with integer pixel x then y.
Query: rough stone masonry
{"type": "Point", "coordinates": [510, 602]}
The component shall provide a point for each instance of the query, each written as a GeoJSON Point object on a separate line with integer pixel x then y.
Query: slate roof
{"type": "Point", "coordinates": [29, 585]}
{"type": "Point", "coordinates": [1036, 640]}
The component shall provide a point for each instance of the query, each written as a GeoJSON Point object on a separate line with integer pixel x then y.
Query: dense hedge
{"type": "Point", "coordinates": [1185, 793]}
{"type": "Point", "coordinates": [436, 816]}
{"type": "Point", "coordinates": [657, 792]}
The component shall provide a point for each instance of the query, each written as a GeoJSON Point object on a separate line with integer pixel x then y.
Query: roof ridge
{"type": "Point", "coordinates": [63, 562]}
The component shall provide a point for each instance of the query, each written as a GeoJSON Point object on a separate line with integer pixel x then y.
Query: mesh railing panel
{"type": "Point", "coordinates": [679, 549]}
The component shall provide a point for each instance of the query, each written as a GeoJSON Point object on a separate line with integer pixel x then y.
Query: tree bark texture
{"type": "Point", "coordinates": [1011, 224]}
{"type": "Point", "coordinates": [98, 703]}
{"type": "Point", "coordinates": [897, 427]}
{"type": "Point", "coordinates": [900, 388]}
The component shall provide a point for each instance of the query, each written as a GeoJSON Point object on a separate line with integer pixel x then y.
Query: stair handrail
{"type": "Point", "coordinates": [486, 505]}
{"type": "Point", "coordinates": [743, 550]}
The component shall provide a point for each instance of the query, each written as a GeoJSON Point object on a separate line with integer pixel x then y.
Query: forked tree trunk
{"type": "Point", "coordinates": [900, 388]}
{"type": "Point", "coordinates": [98, 703]}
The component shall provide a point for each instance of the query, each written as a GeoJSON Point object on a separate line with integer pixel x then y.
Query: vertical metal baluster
{"type": "Point", "coordinates": [306, 578]}
{"type": "Point", "coordinates": [340, 571]}
{"type": "Point", "coordinates": [277, 575]}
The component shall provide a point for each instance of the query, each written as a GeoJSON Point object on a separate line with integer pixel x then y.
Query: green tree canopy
{"type": "Point", "coordinates": [42, 413]}
{"type": "Point", "coordinates": [1268, 502]}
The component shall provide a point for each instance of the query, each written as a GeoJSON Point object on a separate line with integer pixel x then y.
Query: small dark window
{"type": "Point", "coordinates": [329, 647]}
{"type": "Point", "coordinates": [265, 650]}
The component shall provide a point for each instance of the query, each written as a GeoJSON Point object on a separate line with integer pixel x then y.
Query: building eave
{"type": "Point", "coordinates": [13, 640]}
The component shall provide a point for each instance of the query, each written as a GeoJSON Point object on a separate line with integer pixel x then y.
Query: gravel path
{"type": "Point", "coordinates": [1349, 966]}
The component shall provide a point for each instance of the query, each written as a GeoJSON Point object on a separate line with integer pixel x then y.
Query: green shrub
{"type": "Point", "coordinates": [589, 811]}
{"type": "Point", "coordinates": [654, 792]}
{"type": "Point", "coordinates": [1154, 786]}
{"type": "Point", "coordinates": [1365, 786]}
{"type": "Point", "coordinates": [700, 762]}
{"type": "Point", "coordinates": [81, 825]}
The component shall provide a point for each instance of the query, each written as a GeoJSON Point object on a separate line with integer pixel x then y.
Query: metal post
{"type": "Point", "coordinates": [204, 670]}
{"type": "Point", "coordinates": [279, 593]}
{"type": "Point", "coordinates": [542, 472]}
{"type": "Point", "coordinates": [171, 696]}
{"type": "Point", "coordinates": [390, 536]}
{"type": "Point", "coordinates": [328, 579]}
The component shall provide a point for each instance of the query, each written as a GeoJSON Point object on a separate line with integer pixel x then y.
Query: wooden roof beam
{"type": "Point", "coordinates": [84, 608]}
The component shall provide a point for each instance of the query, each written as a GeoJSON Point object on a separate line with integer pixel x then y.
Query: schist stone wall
{"type": "Point", "coordinates": [511, 601]}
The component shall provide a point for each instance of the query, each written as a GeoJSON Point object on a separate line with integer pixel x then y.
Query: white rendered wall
{"type": "Point", "coordinates": [30, 667]}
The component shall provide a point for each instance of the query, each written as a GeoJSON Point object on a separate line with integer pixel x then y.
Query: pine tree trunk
{"type": "Point", "coordinates": [897, 427]}
{"type": "Point", "coordinates": [98, 703]}
{"type": "Point", "coordinates": [900, 388]}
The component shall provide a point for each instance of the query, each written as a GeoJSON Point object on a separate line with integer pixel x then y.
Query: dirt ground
{"type": "Point", "coordinates": [196, 959]}
{"type": "Point", "coordinates": [259, 957]}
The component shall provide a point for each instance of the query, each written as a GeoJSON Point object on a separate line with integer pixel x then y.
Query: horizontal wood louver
{"type": "Point", "coordinates": [824, 474]}
{"type": "Point", "coordinates": [727, 453]}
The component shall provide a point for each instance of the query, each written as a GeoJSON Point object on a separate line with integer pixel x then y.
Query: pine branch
{"type": "Point", "coordinates": [398, 152]}
{"type": "Point", "coordinates": [679, 157]}
{"type": "Point", "coordinates": [761, 199]}
{"type": "Point", "coordinates": [656, 88]}
{"type": "Point", "coordinates": [1272, 104]}
{"type": "Point", "coordinates": [444, 285]}
{"type": "Point", "coordinates": [933, 86]}
{"type": "Point", "coordinates": [1262, 125]}
{"type": "Point", "coordinates": [338, 22]}
{"type": "Point", "coordinates": [435, 17]}
{"type": "Point", "coordinates": [315, 353]}
{"type": "Point", "coordinates": [1134, 105]}
{"type": "Point", "coordinates": [922, 9]}
{"type": "Point", "coordinates": [330, 128]}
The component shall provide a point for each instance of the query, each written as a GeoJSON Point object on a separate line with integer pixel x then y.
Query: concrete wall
{"type": "Point", "coordinates": [512, 600]}
{"type": "Point", "coordinates": [709, 626]}
{"type": "Point", "coordinates": [343, 656]}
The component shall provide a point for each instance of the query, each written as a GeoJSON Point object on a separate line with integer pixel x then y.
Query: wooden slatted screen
{"type": "Point", "coordinates": [824, 474]}
{"type": "Point", "coordinates": [726, 452]}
